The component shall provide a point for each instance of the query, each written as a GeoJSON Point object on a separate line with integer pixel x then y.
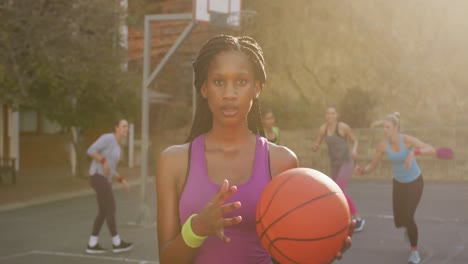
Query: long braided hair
{"type": "Point", "coordinates": [203, 120]}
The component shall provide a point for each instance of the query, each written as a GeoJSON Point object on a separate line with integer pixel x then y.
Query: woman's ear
{"type": "Point", "coordinates": [204, 90]}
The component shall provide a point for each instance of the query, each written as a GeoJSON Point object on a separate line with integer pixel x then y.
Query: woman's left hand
{"type": "Point", "coordinates": [408, 160]}
{"type": "Point", "coordinates": [347, 242]}
{"type": "Point", "coordinates": [125, 184]}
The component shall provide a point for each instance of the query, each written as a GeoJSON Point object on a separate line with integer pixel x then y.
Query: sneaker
{"type": "Point", "coordinates": [360, 223]}
{"type": "Point", "coordinates": [414, 258]}
{"type": "Point", "coordinates": [97, 249]}
{"type": "Point", "coordinates": [123, 247]}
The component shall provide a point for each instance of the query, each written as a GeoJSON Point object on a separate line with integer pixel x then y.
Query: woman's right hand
{"type": "Point", "coordinates": [210, 220]}
{"type": "Point", "coordinates": [315, 148]}
{"type": "Point", "coordinates": [106, 168]}
{"type": "Point", "coordinates": [359, 170]}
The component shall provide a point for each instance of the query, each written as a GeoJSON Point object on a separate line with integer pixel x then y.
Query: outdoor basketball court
{"type": "Point", "coordinates": [57, 232]}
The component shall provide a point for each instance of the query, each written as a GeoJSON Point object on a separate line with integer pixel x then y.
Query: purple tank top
{"type": "Point", "coordinates": [245, 246]}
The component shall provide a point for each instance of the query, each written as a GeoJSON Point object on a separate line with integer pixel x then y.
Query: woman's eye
{"type": "Point", "coordinates": [242, 82]}
{"type": "Point", "coordinates": [218, 82]}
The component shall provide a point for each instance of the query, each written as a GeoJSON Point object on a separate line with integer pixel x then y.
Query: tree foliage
{"type": "Point", "coordinates": [64, 59]}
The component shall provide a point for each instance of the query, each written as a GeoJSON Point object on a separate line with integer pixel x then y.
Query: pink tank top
{"type": "Point", "coordinates": [245, 246]}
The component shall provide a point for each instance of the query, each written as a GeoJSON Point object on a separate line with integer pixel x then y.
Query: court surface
{"type": "Point", "coordinates": [57, 232]}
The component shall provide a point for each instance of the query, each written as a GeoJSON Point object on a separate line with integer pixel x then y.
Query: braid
{"type": "Point", "coordinates": [255, 119]}
{"type": "Point", "coordinates": [203, 120]}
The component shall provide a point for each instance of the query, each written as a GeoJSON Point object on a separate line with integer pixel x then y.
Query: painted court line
{"type": "Point", "coordinates": [76, 255]}
{"type": "Point", "coordinates": [59, 197]}
{"type": "Point", "coordinates": [432, 219]}
{"type": "Point", "coordinates": [16, 255]}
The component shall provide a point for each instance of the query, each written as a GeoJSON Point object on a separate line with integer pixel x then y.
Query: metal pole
{"type": "Point", "coordinates": [144, 210]}
{"type": "Point", "coordinates": [144, 217]}
{"type": "Point", "coordinates": [171, 51]}
{"type": "Point", "coordinates": [131, 145]}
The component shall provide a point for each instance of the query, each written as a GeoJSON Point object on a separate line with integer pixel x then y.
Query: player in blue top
{"type": "Point", "coordinates": [408, 182]}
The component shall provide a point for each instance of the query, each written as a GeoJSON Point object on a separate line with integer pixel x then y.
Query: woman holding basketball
{"type": "Point", "coordinates": [336, 135]}
{"type": "Point", "coordinates": [208, 188]}
{"type": "Point", "coordinates": [407, 178]}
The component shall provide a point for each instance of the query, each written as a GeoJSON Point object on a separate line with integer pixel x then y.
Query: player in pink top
{"type": "Point", "coordinates": [208, 188]}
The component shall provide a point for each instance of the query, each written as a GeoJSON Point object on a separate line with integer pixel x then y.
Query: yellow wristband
{"type": "Point", "coordinates": [190, 238]}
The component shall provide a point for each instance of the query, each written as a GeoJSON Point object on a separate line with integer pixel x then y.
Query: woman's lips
{"type": "Point", "coordinates": [229, 111]}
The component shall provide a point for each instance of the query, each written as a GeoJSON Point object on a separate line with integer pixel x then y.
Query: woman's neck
{"type": "Point", "coordinates": [118, 137]}
{"type": "Point", "coordinates": [331, 123]}
{"type": "Point", "coordinates": [229, 136]}
{"type": "Point", "coordinates": [395, 138]}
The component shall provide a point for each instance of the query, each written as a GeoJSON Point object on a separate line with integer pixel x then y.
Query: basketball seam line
{"type": "Point", "coordinates": [273, 196]}
{"type": "Point", "coordinates": [281, 252]}
{"type": "Point", "coordinates": [310, 239]}
{"type": "Point", "coordinates": [297, 207]}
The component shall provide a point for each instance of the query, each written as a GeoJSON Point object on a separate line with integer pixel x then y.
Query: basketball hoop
{"type": "Point", "coordinates": [243, 20]}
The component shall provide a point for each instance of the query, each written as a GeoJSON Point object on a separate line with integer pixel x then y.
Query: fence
{"type": "Point", "coordinates": [301, 140]}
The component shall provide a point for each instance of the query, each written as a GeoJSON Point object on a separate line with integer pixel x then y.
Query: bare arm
{"type": "Point", "coordinates": [282, 159]}
{"type": "Point", "coordinates": [350, 135]}
{"type": "Point", "coordinates": [209, 221]}
{"type": "Point", "coordinates": [380, 150]}
{"type": "Point", "coordinates": [172, 248]}
{"type": "Point", "coordinates": [318, 141]}
{"type": "Point", "coordinates": [419, 146]}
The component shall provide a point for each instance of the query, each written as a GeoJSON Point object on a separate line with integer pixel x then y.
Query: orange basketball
{"type": "Point", "coordinates": [302, 217]}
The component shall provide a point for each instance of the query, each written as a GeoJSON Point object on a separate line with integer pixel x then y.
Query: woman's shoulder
{"type": "Point", "coordinates": [107, 136]}
{"type": "Point", "coordinates": [176, 151]}
{"type": "Point", "coordinates": [106, 139]}
{"type": "Point", "coordinates": [173, 160]}
{"type": "Point", "coordinates": [171, 170]}
{"type": "Point", "coordinates": [343, 125]}
{"type": "Point", "coordinates": [382, 145]}
{"type": "Point", "coordinates": [408, 140]}
{"type": "Point", "coordinates": [281, 159]}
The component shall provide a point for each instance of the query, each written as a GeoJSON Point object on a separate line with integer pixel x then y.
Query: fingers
{"type": "Point", "coordinates": [351, 227]}
{"type": "Point", "coordinates": [226, 223]}
{"type": "Point", "coordinates": [227, 208]}
{"type": "Point", "coordinates": [125, 184]}
{"type": "Point", "coordinates": [214, 211]}
{"type": "Point", "coordinates": [224, 192]}
{"type": "Point", "coordinates": [232, 221]}
{"type": "Point", "coordinates": [346, 246]}
{"type": "Point", "coordinates": [347, 242]}
{"type": "Point", "coordinates": [358, 170]}
{"type": "Point", "coordinates": [339, 256]}
{"type": "Point", "coordinates": [224, 196]}
{"type": "Point", "coordinates": [220, 235]}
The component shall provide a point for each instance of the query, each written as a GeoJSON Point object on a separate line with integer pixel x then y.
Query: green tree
{"type": "Point", "coordinates": [64, 58]}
